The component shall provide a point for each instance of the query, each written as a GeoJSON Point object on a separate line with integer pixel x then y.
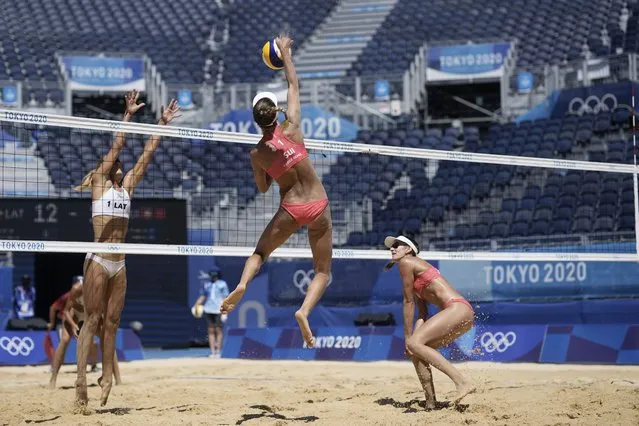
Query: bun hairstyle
{"type": "Point", "coordinates": [265, 109]}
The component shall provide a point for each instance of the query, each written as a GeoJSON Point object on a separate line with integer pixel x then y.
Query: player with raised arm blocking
{"type": "Point", "coordinates": [105, 273]}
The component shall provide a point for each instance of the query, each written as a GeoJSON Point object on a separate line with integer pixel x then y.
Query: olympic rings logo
{"type": "Point", "coordinates": [592, 104]}
{"type": "Point", "coordinates": [302, 279]}
{"type": "Point", "coordinates": [497, 342]}
{"type": "Point", "coordinates": [15, 346]}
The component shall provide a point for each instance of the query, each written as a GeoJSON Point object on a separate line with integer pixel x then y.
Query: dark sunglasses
{"type": "Point", "coordinates": [397, 244]}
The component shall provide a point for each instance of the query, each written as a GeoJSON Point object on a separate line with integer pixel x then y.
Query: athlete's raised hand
{"type": "Point", "coordinates": [170, 113]}
{"type": "Point", "coordinates": [132, 105]}
{"type": "Point", "coordinates": [284, 43]}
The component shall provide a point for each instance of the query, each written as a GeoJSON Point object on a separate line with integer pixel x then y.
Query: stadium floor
{"type": "Point", "coordinates": [199, 390]}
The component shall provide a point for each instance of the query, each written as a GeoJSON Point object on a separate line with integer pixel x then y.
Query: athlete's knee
{"type": "Point", "coordinates": [111, 322]}
{"type": "Point", "coordinates": [92, 321]}
{"type": "Point", "coordinates": [322, 268]}
{"type": "Point", "coordinates": [413, 343]}
{"type": "Point", "coordinates": [111, 325]}
{"type": "Point", "coordinates": [260, 254]}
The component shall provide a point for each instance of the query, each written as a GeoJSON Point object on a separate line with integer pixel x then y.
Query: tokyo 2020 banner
{"type": "Point", "coordinates": [317, 123]}
{"type": "Point", "coordinates": [106, 74]}
{"type": "Point", "coordinates": [599, 343]}
{"type": "Point", "coordinates": [27, 347]}
{"type": "Point", "coordinates": [467, 61]}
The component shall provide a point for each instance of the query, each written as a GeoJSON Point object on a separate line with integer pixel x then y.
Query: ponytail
{"type": "Point", "coordinates": [389, 266]}
{"type": "Point", "coordinates": [86, 182]}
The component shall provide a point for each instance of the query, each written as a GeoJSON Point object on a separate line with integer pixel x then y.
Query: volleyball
{"type": "Point", "coordinates": [136, 325]}
{"type": "Point", "coordinates": [271, 55]}
{"type": "Point", "coordinates": [197, 311]}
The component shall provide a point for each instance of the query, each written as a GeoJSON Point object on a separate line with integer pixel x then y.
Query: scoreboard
{"type": "Point", "coordinates": [161, 221]}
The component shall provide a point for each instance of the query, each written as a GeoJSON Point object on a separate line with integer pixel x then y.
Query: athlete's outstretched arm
{"type": "Point", "coordinates": [293, 108]}
{"type": "Point", "coordinates": [262, 179]}
{"type": "Point", "coordinates": [135, 175]}
{"type": "Point", "coordinates": [132, 107]}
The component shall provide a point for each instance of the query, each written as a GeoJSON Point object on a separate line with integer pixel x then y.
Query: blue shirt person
{"type": "Point", "coordinates": [24, 296]}
{"type": "Point", "coordinates": [212, 293]}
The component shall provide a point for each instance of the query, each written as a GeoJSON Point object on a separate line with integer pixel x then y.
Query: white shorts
{"type": "Point", "coordinates": [112, 267]}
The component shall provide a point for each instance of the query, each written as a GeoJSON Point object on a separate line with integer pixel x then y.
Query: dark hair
{"type": "Point", "coordinates": [265, 112]}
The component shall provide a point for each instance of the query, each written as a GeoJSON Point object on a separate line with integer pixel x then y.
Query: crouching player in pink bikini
{"type": "Point", "coordinates": [455, 317]}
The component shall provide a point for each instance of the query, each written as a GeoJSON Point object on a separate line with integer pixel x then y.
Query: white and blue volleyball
{"type": "Point", "coordinates": [271, 55]}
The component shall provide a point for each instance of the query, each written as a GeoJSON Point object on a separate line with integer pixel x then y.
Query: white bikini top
{"type": "Point", "coordinates": [112, 203]}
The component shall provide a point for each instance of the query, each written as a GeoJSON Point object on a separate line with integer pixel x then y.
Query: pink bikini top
{"type": "Point", "coordinates": [288, 152]}
{"type": "Point", "coordinates": [424, 279]}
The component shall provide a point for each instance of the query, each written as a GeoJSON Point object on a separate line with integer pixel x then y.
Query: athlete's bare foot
{"type": "Point", "coordinates": [430, 404]}
{"type": "Point", "coordinates": [106, 385]}
{"type": "Point", "coordinates": [232, 299]}
{"type": "Point", "coordinates": [305, 328]}
{"type": "Point", "coordinates": [81, 396]}
{"type": "Point", "coordinates": [466, 388]}
{"type": "Point", "coordinates": [52, 383]}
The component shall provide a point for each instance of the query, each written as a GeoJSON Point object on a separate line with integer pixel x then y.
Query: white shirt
{"type": "Point", "coordinates": [113, 203]}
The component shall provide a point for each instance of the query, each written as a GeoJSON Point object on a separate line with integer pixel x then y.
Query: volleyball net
{"type": "Point", "coordinates": [473, 200]}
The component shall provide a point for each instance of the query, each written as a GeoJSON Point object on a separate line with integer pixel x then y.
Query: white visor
{"type": "Point", "coordinates": [389, 241]}
{"type": "Point", "coordinates": [262, 95]}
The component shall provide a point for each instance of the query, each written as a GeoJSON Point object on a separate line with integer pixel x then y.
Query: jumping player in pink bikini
{"type": "Point", "coordinates": [281, 156]}
{"type": "Point", "coordinates": [422, 280]}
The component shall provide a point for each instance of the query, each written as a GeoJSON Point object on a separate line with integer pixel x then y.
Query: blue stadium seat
{"type": "Point", "coordinates": [540, 227]}
{"type": "Point", "coordinates": [585, 211]}
{"type": "Point", "coordinates": [609, 197]}
{"type": "Point", "coordinates": [626, 223]}
{"type": "Point", "coordinates": [499, 230]}
{"type": "Point", "coordinates": [523, 215]}
{"type": "Point", "coordinates": [436, 213]}
{"type": "Point", "coordinates": [582, 225]}
{"type": "Point", "coordinates": [519, 229]}
{"type": "Point", "coordinates": [604, 224]}
{"type": "Point", "coordinates": [509, 204]}
{"type": "Point", "coordinates": [561, 226]}
{"type": "Point", "coordinates": [355, 239]}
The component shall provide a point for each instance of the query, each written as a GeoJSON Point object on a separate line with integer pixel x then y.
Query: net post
{"type": "Point", "coordinates": [635, 183]}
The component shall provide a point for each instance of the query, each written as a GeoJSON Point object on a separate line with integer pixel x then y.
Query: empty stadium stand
{"type": "Point", "coordinates": [547, 31]}
{"type": "Point", "coordinates": [468, 205]}
{"type": "Point", "coordinates": [172, 34]}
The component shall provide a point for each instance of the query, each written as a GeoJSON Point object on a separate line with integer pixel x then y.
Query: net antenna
{"type": "Point", "coordinates": [634, 175]}
{"type": "Point", "coordinates": [71, 122]}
